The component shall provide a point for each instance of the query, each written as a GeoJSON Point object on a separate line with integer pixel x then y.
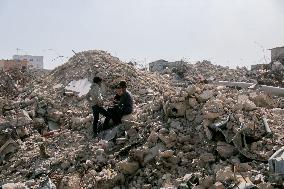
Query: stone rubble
{"type": "Point", "coordinates": [197, 135]}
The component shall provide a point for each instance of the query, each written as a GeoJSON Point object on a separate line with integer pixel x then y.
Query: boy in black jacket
{"type": "Point", "coordinates": [123, 105]}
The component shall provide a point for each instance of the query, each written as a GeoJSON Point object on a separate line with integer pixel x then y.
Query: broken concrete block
{"type": "Point", "coordinates": [262, 100]}
{"type": "Point", "coordinates": [70, 182]}
{"type": "Point", "coordinates": [10, 146]}
{"type": "Point", "coordinates": [127, 167]}
{"type": "Point", "coordinates": [153, 137]}
{"type": "Point", "coordinates": [175, 109]}
{"type": "Point", "coordinates": [224, 174]}
{"type": "Point", "coordinates": [207, 182]}
{"type": "Point", "coordinates": [264, 185]}
{"type": "Point", "coordinates": [247, 104]}
{"type": "Point", "coordinates": [166, 154]}
{"type": "Point", "coordinates": [192, 102]}
{"type": "Point", "coordinates": [207, 157]}
{"type": "Point", "coordinates": [13, 186]}
{"type": "Point", "coordinates": [206, 95]}
{"type": "Point", "coordinates": [212, 109]}
{"type": "Point", "coordinates": [225, 150]}
{"type": "Point", "coordinates": [219, 185]}
{"type": "Point", "coordinates": [276, 162]}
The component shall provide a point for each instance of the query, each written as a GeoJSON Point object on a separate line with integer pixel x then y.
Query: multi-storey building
{"type": "Point", "coordinates": [34, 62]}
{"type": "Point", "coordinates": [6, 65]}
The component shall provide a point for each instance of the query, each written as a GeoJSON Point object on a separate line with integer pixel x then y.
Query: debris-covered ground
{"type": "Point", "coordinates": [199, 135]}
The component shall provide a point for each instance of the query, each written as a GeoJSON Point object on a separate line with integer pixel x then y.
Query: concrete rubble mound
{"type": "Point", "coordinates": [270, 74]}
{"type": "Point", "coordinates": [199, 135]}
{"type": "Point", "coordinates": [205, 71]}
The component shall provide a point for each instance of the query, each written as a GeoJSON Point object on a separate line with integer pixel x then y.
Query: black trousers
{"type": "Point", "coordinates": [113, 113]}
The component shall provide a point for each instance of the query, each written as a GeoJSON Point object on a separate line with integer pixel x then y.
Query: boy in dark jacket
{"type": "Point", "coordinates": [122, 105]}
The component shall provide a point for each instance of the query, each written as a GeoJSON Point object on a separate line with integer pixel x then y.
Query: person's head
{"type": "Point", "coordinates": [121, 88]}
{"type": "Point", "coordinates": [97, 80]}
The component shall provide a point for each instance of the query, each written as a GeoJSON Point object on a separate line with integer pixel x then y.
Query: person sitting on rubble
{"type": "Point", "coordinates": [95, 96]}
{"type": "Point", "coordinates": [122, 105]}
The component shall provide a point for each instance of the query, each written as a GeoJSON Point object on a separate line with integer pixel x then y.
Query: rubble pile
{"type": "Point", "coordinates": [13, 81]}
{"type": "Point", "coordinates": [196, 136]}
{"type": "Point", "coordinates": [208, 71]}
{"type": "Point", "coordinates": [205, 71]}
{"type": "Point", "coordinates": [270, 74]}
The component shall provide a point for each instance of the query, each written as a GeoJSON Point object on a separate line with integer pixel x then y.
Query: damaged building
{"type": "Point", "coordinates": [277, 54]}
{"type": "Point", "coordinates": [161, 65]}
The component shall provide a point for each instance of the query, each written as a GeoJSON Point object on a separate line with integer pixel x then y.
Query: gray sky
{"type": "Point", "coordinates": [227, 32]}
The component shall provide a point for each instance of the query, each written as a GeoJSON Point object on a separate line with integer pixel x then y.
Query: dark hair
{"type": "Point", "coordinates": [121, 84]}
{"type": "Point", "coordinates": [97, 80]}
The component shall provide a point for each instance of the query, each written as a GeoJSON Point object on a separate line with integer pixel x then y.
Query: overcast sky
{"type": "Point", "coordinates": [227, 32]}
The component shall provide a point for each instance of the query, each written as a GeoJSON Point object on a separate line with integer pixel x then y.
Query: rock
{"type": "Point", "coordinates": [24, 118]}
{"type": "Point", "coordinates": [265, 186]}
{"type": "Point", "coordinates": [190, 115]}
{"type": "Point", "coordinates": [70, 182]}
{"type": "Point", "coordinates": [14, 186]}
{"type": "Point", "coordinates": [127, 167]}
{"type": "Point", "coordinates": [54, 115]}
{"type": "Point", "coordinates": [207, 157]}
{"type": "Point", "coordinates": [212, 109]}
{"type": "Point", "coordinates": [138, 154]}
{"type": "Point", "coordinates": [206, 95]}
{"type": "Point", "coordinates": [262, 100]}
{"type": "Point", "coordinates": [225, 150]}
{"type": "Point", "coordinates": [100, 156]}
{"type": "Point", "coordinates": [183, 186]}
{"type": "Point", "coordinates": [22, 131]}
{"type": "Point", "coordinates": [219, 185]}
{"type": "Point", "coordinates": [10, 146]}
{"type": "Point", "coordinates": [247, 104]}
{"type": "Point", "coordinates": [153, 152]}
{"type": "Point", "coordinates": [243, 167]}
{"type": "Point", "coordinates": [192, 102]}
{"type": "Point", "coordinates": [207, 181]}
{"type": "Point", "coordinates": [175, 124]}
{"type": "Point", "coordinates": [190, 90]}
{"type": "Point", "coordinates": [166, 154]}
{"type": "Point", "coordinates": [175, 109]}
{"type": "Point", "coordinates": [224, 174]}
{"type": "Point", "coordinates": [53, 126]}
{"type": "Point", "coordinates": [153, 137]}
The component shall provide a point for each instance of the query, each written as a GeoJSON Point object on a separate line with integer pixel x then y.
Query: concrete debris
{"type": "Point", "coordinates": [14, 186]}
{"type": "Point", "coordinates": [188, 130]}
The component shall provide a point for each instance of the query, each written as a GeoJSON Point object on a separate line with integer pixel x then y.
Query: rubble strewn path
{"type": "Point", "coordinates": [184, 133]}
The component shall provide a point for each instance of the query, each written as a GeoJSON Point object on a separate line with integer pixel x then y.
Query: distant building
{"type": "Point", "coordinates": [277, 54]}
{"type": "Point", "coordinates": [34, 62]}
{"type": "Point", "coordinates": [259, 66]}
{"type": "Point", "coordinates": [6, 65]}
{"type": "Point", "coordinates": [160, 65]}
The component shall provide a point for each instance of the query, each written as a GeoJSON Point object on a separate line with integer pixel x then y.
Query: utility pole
{"type": "Point", "coordinates": [18, 50]}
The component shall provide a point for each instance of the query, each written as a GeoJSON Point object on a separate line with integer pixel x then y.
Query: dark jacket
{"type": "Point", "coordinates": [124, 102]}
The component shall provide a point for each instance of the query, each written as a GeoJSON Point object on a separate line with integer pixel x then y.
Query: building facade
{"type": "Point", "coordinates": [277, 54]}
{"type": "Point", "coordinates": [34, 62]}
{"type": "Point", "coordinates": [6, 65]}
{"type": "Point", "coordinates": [160, 65]}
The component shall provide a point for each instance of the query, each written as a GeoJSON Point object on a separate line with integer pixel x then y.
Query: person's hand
{"type": "Point", "coordinates": [108, 103]}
